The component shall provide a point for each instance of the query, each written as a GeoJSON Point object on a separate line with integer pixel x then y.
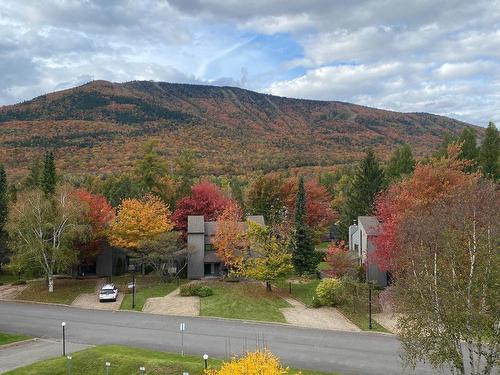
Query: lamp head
{"type": "Point", "coordinates": [108, 364]}
{"type": "Point", "coordinates": [205, 356]}
{"type": "Point", "coordinates": [69, 357]}
{"type": "Point", "coordinates": [63, 324]}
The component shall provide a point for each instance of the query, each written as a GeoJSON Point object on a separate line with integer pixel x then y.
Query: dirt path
{"type": "Point", "coordinates": [173, 304]}
{"type": "Point", "coordinates": [321, 318]}
{"type": "Point", "coordinates": [11, 291]}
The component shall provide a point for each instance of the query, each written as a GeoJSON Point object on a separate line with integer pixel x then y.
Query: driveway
{"type": "Point", "coordinates": [320, 318]}
{"type": "Point", "coordinates": [28, 352]}
{"type": "Point", "coordinates": [173, 304]}
{"type": "Point", "coordinates": [346, 352]}
{"type": "Point", "coordinates": [91, 301]}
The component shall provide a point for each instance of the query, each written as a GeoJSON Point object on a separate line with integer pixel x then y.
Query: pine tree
{"type": "Point", "coordinates": [489, 153]}
{"type": "Point", "coordinates": [401, 163]}
{"type": "Point", "coordinates": [304, 256]}
{"type": "Point", "coordinates": [35, 174]}
{"type": "Point", "coordinates": [48, 181]}
{"type": "Point", "coordinates": [368, 181]}
{"type": "Point", "coordinates": [469, 151]}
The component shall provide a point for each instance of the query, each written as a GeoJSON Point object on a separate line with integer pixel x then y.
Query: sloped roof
{"type": "Point", "coordinates": [370, 224]}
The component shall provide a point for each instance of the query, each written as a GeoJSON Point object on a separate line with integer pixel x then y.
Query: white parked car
{"type": "Point", "coordinates": [108, 292]}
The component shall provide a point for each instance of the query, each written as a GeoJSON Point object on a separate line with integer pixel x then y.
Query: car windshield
{"type": "Point", "coordinates": [107, 291]}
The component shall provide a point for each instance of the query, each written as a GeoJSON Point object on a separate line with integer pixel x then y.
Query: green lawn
{"type": "Point", "coordinates": [243, 300]}
{"type": "Point", "coordinates": [145, 292]}
{"type": "Point", "coordinates": [8, 338]}
{"type": "Point", "coordinates": [65, 290]}
{"type": "Point", "coordinates": [124, 361]}
{"type": "Point", "coordinates": [303, 290]}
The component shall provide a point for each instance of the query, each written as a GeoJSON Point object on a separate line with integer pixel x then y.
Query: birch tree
{"type": "Point", "coordinates": [448, 288]}
{"type": "Point", "coordinates": [43, 230]}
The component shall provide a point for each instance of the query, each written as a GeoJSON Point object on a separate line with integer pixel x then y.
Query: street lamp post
{"type": "Point", "coordinates": [63, 325]}
{"type": "Point", "coordinates": [369, 304]}
{"type": "Point", "coordinates": [205, 358]}
{"type": "Point", "coordinates": [142, 369]}
{"type": "Point", "coordinates": [108, 365]}
{"type": "Point", "coordinates": [131, 268]}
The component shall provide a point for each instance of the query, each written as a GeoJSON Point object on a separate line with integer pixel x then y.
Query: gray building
{"type": "Point", "coordinates": [361, 243]}
{"type": "Point", "coordinates": [202, 259]}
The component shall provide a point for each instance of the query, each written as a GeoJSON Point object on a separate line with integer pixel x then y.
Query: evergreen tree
{"type": "Point", "coordinates": [151, 167]}
{"type": "Point", "coordinates": [489, 153]}
{"type": "Point", "coordinates": [469, 151]}
{"type": "Point", "coordinates": [49, 178]}
{"type": "Point", "coordinates": [401, 163]}
{"type": "Point", "coordinates": [368, 181]}
{"type": "Point", "coordinates": [35, 174]}
{"type": "Point", "coordinates": [304, 256]}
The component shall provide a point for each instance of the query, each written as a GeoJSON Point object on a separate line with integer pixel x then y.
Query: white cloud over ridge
{"type": "Point", "coordinates": [439, 57]}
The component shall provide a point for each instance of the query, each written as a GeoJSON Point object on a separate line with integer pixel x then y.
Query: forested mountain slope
{"type": "Point", "coordinates": [98, 128]}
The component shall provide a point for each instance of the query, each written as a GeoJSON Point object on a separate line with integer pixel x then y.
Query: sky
{"type": "Point", "coordinates": [437, 56]}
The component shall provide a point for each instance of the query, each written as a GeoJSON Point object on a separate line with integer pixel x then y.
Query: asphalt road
{"type": "Point", "coordinates": [345, 352]}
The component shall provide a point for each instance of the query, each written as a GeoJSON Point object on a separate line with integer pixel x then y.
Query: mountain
{"type": "Point", "coordinates": [99, 127]}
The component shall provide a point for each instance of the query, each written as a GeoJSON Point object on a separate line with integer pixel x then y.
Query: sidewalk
{"type": "Point", "coordinates": [28, 352]}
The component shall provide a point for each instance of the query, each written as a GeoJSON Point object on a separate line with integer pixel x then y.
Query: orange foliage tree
{"type": "Point", "coordinates": [439, 179]}
{"type": "Point", "coordinates": [230, 241]}
{"type": "Point", "coordinates": [139, 220]}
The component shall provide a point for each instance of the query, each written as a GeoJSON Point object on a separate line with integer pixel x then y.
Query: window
{"type": "Point", "coordinates": [209, 247]}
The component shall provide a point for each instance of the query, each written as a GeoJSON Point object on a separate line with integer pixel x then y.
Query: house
{"type": "Point", "coordinates": [361, 243]}
{"type": "Point", "coordinates": [202, 259]}
{"type": "Point", "coordinates": [107, 261]}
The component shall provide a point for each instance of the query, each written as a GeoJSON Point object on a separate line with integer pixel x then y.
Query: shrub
{"type": "Point", "coordinates": [256, 363]}
{"type": "Point", "coordinates": [330, 292]}
{"type": "Point", "coordinates": [195, 289]}
{"type": "Point", "coordinates": [19, 282]}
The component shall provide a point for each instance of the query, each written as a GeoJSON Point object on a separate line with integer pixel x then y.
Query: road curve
{"type": "Point", "coordinates": [345, 352]}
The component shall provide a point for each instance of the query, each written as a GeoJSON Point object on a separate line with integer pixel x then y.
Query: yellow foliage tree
{"type": "Point", "coordinates": [230, 240]}
{"type": "Point", "coordinates": [270, 258]}
{"type": "Point", "coordinates": [139, 220]}
{"type": "Point", "coordinates": [256, 363]}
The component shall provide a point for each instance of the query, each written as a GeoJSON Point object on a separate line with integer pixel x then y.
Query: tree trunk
{"type": "Point", "coordinates": [268, 286]}
{"type": "Point", "coordinates": [51, 283]}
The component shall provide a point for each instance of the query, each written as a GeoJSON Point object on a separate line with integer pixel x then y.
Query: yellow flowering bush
{"type": "Point", "coordinates": [254, 363]}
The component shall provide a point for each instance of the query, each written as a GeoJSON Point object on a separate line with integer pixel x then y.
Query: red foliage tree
{"type": "Point", "coordinates": [429, 183]}
{"type": "Point", "coordinates": [99, 215]}
{"type": "Point", "coordinates": [206, 199]}
{"type": "Point", "coordinates": [318, 203]}
{"type": "Point", "coordinates": [338, 259]}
